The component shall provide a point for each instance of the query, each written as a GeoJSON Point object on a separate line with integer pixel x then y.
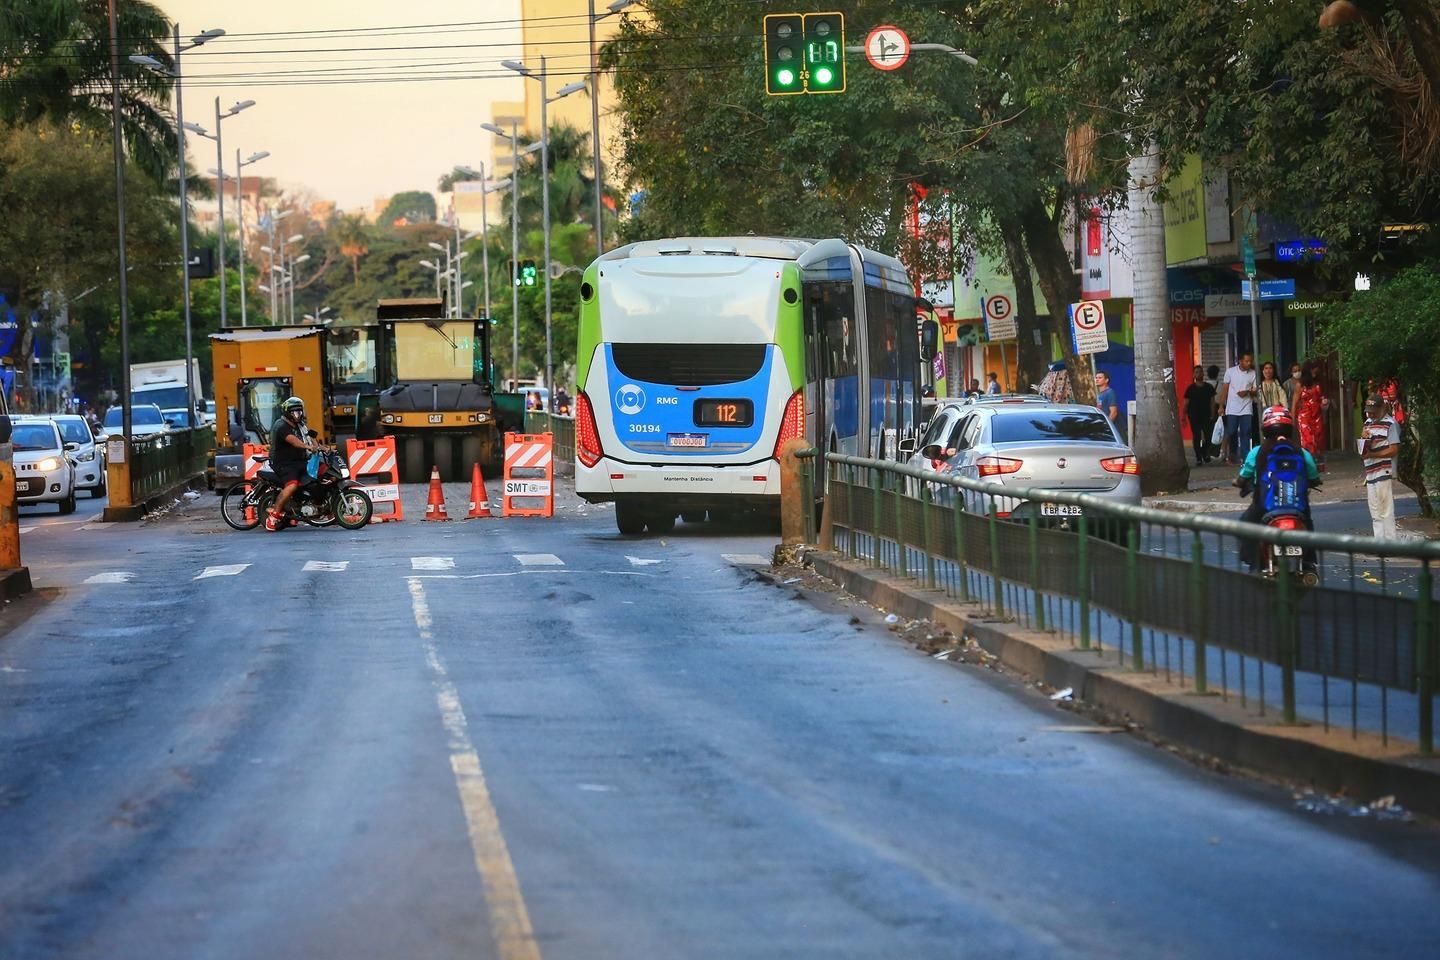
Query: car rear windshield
{"type": "Point", "coordinates": [1069, 426]}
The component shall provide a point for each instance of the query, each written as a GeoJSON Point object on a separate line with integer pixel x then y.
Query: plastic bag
{"type": "Point", "coordinates": [312, 466]}
{"type": "Point", "coordinates": [1218, 434]}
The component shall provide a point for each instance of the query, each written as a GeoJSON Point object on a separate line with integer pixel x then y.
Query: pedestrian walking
{"type": "Point", "coordinates": [1106, 400]}
{"type": "Point", "coordinates": [993, 387]}
{"type": "Point", "coordinates": [1237, 399]}
{"type": "Point", "coordinates": [1309, 409]}
{"type": "Point", "coordinates": [1056, 385]}
{"type": "Point", "coordinates": [1200, 412]}
{"type": "Point", "coordinates": [1291, 385]}
{"type": "Point", "coordinates": [974, 389]}
{"type": "Point", "coordinates": [1380, 443]}
{"type": "Point", "coordinates": [1272, 391]}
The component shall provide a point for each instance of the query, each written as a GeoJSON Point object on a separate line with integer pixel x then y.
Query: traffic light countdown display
{"type": "Point", "coordinates": [804, 53]}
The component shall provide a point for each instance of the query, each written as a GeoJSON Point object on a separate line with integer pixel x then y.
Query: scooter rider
{"type": "Point", "coordinates": [1276, 426]}
{"type": "Point", "coordinates": [289, 445]}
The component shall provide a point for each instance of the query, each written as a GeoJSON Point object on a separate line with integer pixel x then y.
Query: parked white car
{"type": "Point", "coordinates": [43, 471]}
{"type": "Point", "coordinates": [85, 452]}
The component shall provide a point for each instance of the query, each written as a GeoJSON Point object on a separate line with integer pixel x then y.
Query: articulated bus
{"type": "Point", "coordinates": [699, 357]}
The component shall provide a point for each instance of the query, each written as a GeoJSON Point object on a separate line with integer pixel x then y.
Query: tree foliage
{"type": "Point", "coordinates": [408, 207]}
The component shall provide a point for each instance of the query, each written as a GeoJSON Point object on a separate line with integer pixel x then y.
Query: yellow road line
{"type": "Point", "coordinates": [505, 904]}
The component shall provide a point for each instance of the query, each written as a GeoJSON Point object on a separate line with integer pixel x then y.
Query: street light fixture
{"type": "Point", "coordinates": [545, 101]}
{"type": "Point", "coordinates": [152, 63]}
{"type": "Point", "coordinates": [514, 137]}
{"type": "Point", "coordinates": [220, 118]}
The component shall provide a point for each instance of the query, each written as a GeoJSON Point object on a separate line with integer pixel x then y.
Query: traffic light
{"type": "Point", "coordinates": [824, 52]}
{"type": "Point", "coordinates": [528, 273]}
{"type": "Point", "coordinates": [784, 57]}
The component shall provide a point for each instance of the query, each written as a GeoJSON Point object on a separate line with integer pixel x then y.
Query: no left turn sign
{"type": "Point", "coordinates": [887, 47]}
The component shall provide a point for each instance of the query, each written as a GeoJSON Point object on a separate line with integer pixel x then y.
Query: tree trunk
{"type": "Point", "coordinates": [1422, 25]}
{"type": "Point", "coordinates": [1157, 442]}
{"type": "Point", "coordinates": [1059, 285]}
{"type": "Point", "coordinates": [1032, 356]}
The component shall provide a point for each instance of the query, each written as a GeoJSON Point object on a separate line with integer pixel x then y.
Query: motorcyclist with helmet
{"type": "Point", "coordinates": [1277, 427]}
{"type": "Point", "coordinates": [289, 446]}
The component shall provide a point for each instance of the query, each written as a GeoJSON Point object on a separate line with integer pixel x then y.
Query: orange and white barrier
{"type": "Point", "coordinates": [529, 483]}
{"type": "Point", "coordinates": [252, 452]}
{"type": "Point", "coordinates": [374, 464]}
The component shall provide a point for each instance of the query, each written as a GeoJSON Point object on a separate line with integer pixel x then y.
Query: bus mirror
{"type": "Point", "coordinates": [929, 340]}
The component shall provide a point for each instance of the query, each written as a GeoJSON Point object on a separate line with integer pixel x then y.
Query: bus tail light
{"type": "Point", "coordinates": [792, 424]}
{"type": "Point", "coordinates": [587, 434]}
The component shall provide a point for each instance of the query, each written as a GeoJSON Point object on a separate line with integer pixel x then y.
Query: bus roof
{"type": "Point", "coordinates": [766, 248]}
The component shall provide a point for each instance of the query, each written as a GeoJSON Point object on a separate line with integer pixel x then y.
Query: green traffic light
{"type": "Point", "coordinates": [786, 78]}
{"type": "Point", "coordinates": [823, 76]}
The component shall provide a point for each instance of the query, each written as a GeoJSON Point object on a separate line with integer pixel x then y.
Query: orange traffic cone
{"type": "Point", "coordinates": [479, 499]}
{"type": "Point", "coordinates": [435, 507]}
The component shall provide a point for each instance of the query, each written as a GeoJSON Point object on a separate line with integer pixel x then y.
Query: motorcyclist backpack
{"type": "Point", "coordinates": [1284, 482]}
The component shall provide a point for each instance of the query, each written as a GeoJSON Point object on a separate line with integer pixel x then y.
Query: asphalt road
{"type": "Point", "coordinates": [521, 739]}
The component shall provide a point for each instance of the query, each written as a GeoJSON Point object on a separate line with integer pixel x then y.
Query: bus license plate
{"type": "Point", "coordinates": [690, 440]}
{"type": "Point", "coordinates": [1059, 510]}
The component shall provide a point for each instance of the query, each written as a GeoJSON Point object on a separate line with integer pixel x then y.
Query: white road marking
{"type": "Point", "coordinates": [504, 901]}
{"type": "Point", "coordinates": [326, 566]}
{"type": "Point", "coordinates": [116, 576]}
{"type": "Point", "coordinates": [596, 788]}
{"type": "Point", "coordinates": [529, 573]}
{"type": "Point", "coordinates": [224, 570]}
{"type": "Point", "coordinates": [746, 559]}
{"type": "Point", "coordinates": [642, 562]}
{"type": "Point", "coordinates": [432, 563]}
{"type": "Point", "coordinates": [539, 560]}
{"type": "Point", "coordinates": [25, 530]}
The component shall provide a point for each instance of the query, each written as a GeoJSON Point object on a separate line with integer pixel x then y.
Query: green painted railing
{"type": "Point", "coordinates": [167, 459]}
{"type": "Point", "coordinates": [538, 421]}
{"type": "Point", "coordinates": [1166, 591]}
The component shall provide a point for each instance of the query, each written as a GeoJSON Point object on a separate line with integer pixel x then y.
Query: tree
{"type": "Point", "coordinates": [351, 235]}
{"type": "Point", "coordinates": [1392, 331]}
{"type": "Point", "coordinates": [457, 175]}
{"type": "Point", "coordinates": [411, 206]}
{"type": "Point", "coordinates": [55, 66]}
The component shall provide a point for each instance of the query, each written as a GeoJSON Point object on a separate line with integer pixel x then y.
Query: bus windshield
{"type": "Point", "coordinates": [432, 350]}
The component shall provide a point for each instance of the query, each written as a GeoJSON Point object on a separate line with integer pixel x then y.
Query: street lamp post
{"type": "Point", "coordinates": [294, 262]}
{"type": "Point", "coordinates": [145, 60]}
{"type": "Point", "coordinates": [613, 9]}
{"type": "Point", "coordinates": [545, 101]}
{"type": "Point", "coordinates": [514, 137]}
{"type": "Point", "coordinates": [120, 228]}
{"type": "Point", "coordinates": [240, 166]}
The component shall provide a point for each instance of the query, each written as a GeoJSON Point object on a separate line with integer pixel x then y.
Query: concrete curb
{"type": "Point", "coordinates": [151, 503]}
{"type": "Point", "coordinates": [1328, 762]}
{"type": "Point", "coordinates": [14, 584]}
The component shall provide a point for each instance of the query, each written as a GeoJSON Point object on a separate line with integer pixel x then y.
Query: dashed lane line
{"type": "Point", "coordinates": [113, 576]}
{"type": "Point", "coordinates": [326, 566]}
{"type": "Point", "coordinates": [432, 563]}
{"type": "Point", "coordinates": [539, 560]}
{"type": "Point", "coordinates": [642, 561]}
{"type": "Point", "coordinates": [504, 901]}
{"type": "Point", "coordinates": [223, 570]}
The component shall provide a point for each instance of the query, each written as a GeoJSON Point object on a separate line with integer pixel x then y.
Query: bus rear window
{"type": "Point", "coordinates": [1069, 426]}
{"type": "Point", "coordinates": [689, 364]}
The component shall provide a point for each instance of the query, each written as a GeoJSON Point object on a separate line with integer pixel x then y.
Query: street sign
{"type": "Point", "coordinates": [999, 317]}
{"type": "Point", "coordinates": [1087, 322]}
{"type": "Point", "coordinates": [1247, 252]}
{"type": "Point", "coordinates": [1270, 290]}
{"type": "Point", "coordinates": [887, 47]}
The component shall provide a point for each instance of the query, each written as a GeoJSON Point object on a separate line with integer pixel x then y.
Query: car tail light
{"type": "Point", "coordinates": [1128, 465]}
{"type": "Point", "coordinates": [792, 424]}
{"type": "Point", "coordinates": [997, 466]}
{"type": "Point", "coordinates": [587, 434]}
{"type": "Point", "coordinates": [1287, 523]}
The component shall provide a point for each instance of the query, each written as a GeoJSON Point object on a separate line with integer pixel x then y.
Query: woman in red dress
{"type": "Point", "coordinates": [1309, 405]}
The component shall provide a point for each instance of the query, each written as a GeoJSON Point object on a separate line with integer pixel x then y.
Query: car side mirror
{"type": "Point", "coordinates": [933, 452]}
{"type": "Point", "coordinates": [907, 446]}
{"type": "Point", "coordinates": [71, 447]}
{"type": "Point", "coordinates": [929, 340]}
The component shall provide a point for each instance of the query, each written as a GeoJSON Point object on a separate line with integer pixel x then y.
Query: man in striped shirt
{"type": "Point", "coordinates": [1382, 442]}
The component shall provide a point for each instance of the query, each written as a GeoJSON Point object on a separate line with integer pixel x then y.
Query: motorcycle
{"type": "Point", "coordinates": [1285, 496]}
{"type": "Point", "coordinates": [327, 496]}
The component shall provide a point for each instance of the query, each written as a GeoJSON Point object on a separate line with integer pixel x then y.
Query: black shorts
{"type": "Point", "coordinates": [286, 474]}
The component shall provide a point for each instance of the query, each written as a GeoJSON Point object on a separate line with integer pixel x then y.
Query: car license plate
{"type": "Point", "coordinates": [26, 487]}
{"type": "Point", "coordinates": [1059, 510]}
{"type": "Point", "coordinates": [1288, 551]}
{"type": "Point", "coordinates": [690, 440]}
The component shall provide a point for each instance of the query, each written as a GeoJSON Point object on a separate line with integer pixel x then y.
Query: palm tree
{"type": "Point", "coordinates": [55, 65]}
{"type": "Point", "coordinates": [352, 236]}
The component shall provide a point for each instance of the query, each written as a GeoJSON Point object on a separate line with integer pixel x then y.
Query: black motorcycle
{"type": "Point", "coordinates": [330, 496]}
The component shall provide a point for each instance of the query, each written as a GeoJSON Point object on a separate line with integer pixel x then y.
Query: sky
{"type": "Point", "coordinates": [349, 142]}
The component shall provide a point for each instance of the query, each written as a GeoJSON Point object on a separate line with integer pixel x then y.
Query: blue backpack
{"type": "Point", "coordinates": [1285, 481]}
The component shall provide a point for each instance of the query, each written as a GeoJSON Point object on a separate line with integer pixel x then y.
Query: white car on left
{"type": "Point", "coordinates": [43, 470]}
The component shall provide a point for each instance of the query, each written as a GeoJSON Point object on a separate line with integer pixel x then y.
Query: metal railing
{"type": "Point", "coordinates": [167, 459]}
{"type": "Point", "coordinates": [1167, 591]}
{"type": "Point", "coordinates": [563, 427]}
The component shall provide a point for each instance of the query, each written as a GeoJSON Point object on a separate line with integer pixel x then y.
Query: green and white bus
{"type": "Point", "coordinates": [698, 358]}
